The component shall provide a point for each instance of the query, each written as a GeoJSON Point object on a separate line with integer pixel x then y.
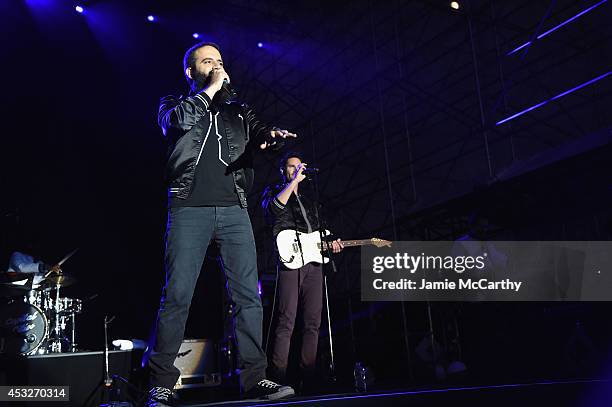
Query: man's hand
{"type": "Point", "coordinates": [216, 81]}
{"type": "Point", "coordinates": [278, 133]}
{"type": "Point", "coordinates": [298, 175]}
{"type": "Point", "coordinates": [337, 246]}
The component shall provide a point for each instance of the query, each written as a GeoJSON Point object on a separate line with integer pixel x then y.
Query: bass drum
{"type": "Point", "coordinates": [23, 328]}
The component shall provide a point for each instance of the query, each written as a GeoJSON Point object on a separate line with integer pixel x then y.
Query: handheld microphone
{"type": "Point", "coordinates": [228, 89]}
{"type": "Point", "coordinates": [309, 173]}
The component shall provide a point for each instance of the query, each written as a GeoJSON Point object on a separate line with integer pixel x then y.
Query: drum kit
{"type": "Point", "coordinates": [34, 317]}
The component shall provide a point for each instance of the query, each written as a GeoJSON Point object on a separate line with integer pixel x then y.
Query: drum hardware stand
{"type": "Point", "coordinates": [107, 380]}
{"type": "Point", "coordinates": [136, 392]}
{"type": "Point", "coordinates": [55, 344]}
{"type": "Point", "coordinates": [108, 383]}
{"type": "Point", "coordinates": [73, 345]}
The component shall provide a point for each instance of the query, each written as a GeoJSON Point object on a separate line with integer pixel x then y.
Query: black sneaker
{"type": "Point", "coordinates": [268, 390]}
{"type": "Point", "coordinates": [159, 397]}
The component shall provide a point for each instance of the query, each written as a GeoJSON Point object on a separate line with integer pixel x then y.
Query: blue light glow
{"type": "Point", "coordinates": [260, 45]}
{"type": "Point", "coordinates": [196, 35]}
{"type": "Point", "coordinates": [41, 3]}
{"type": "Point", "coordinates": [569, 20]}
{"type": "Point", "coordinates": [560, 95]}
{"type": "Point", "coordinates": [421, 392]}
{"type": "Point", "coordinates": [151, 18]}
{"type": "Point", "coordinates": [79, 9]}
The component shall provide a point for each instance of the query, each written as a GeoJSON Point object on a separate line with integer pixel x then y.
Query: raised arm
{"type": "Point", "coordinates": [182, 113]}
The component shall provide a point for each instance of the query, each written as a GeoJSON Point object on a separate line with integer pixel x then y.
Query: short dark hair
{"type": "Point", "coordinates": [189, 58]}
{"type": "Point", "coordinates": [290, 154]}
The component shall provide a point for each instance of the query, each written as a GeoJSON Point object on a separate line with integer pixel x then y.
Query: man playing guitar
{"type": "Point", "coordinates": [304, 285]}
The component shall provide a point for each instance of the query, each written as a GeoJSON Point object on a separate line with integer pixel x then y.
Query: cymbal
{"type": "Point", "coordinates": [13, 284]}
{"type": "Point", "coordinates": [11, 276]}
{"type": "Point", "coordinates": [13, 290]}
{"type": "Point", "coordinates": [54, 280]}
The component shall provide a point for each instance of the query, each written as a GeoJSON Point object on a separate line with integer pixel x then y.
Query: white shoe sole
{"type": "Point", "coordinates": [281, 394]}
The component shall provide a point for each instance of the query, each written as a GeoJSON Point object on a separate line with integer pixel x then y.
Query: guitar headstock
{"type": "Point", "coordinates": [380, 242]}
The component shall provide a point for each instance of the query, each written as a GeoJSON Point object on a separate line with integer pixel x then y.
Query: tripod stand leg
{"type": "Point", "coordinates": [332, 364]}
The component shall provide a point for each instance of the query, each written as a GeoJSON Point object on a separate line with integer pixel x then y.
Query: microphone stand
{"type": "Point", "coordinates": [325, 247]}
{"type": "Point", "coordinates": [108, 382]}
{"type": "Point", "coordinates": [106, 387]}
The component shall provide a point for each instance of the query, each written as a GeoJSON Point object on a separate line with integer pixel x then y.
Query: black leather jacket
{"type": "Point", "coordinates": [187, 121]}
{"type": "Point", "coordinates": [288, 216]}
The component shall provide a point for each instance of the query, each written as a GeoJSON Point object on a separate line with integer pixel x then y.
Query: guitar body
{"type": "Point", "coordinates": [289, 248]}
{"type": "Point", "coordinates": [289, 242]}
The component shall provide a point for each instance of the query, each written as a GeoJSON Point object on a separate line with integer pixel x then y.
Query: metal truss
{"type": "Point", "coordinates": [397, 101]}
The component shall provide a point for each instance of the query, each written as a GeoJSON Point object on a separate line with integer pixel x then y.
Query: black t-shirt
{"type": "Point", "coordinates": [213, 184]}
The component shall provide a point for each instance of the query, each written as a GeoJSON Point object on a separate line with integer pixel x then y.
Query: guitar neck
{"type": "Point", "coordinates": [361, 242]}
{"type": "Point", "coordinates": [351, 243]}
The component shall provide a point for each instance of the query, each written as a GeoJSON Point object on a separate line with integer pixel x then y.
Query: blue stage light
{"type": "Point", "coordinates": [196, 35]}
{"type": "Point", "coordinates": [260, 45]}
{"type": "Point", "coordinates": [569, 20]}
{"type": "Point", "coordinates": [151, 18]}
{"type": "Point", "coordinates": [560, 95]}
{"type": "Point", "coordinates": [79, 9]}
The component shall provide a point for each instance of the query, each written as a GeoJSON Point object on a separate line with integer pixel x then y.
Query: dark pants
{"type": "Point", "coordinates": [190, 230]}
{"type": "Point", "coordinates": [303, 286]}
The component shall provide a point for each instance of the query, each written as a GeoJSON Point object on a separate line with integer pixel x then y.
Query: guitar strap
{"type": "Point", "coordinates": [304, 215]}
{"type": "Point", "coordinates": [297, 236]}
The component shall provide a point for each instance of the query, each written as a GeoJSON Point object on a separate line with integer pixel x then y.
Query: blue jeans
{"type": "Point", "coordinates": [189, 232]}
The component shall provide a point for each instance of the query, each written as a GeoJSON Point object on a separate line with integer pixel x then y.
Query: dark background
{"type": "Point", "coordinates": [397, 102]}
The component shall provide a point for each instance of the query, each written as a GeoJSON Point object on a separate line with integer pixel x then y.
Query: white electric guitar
{"type": "Point", "coordinates": [289, 242]}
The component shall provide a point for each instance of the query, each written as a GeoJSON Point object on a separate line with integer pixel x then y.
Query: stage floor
{"type": "Point", "coordinates": [591, 393]}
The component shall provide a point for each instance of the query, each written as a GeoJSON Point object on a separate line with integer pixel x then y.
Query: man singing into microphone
{"type": "Point", "coordinates": [209, 172]}
{"type": "Point", "coordinates": [288, 209]}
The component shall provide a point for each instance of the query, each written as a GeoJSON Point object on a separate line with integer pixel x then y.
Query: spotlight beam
{"type": "Point", "coordinates": [569, 20]}
{"type": "Point", "coordinates": [560, 95]}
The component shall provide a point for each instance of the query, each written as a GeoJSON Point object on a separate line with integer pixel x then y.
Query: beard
{"type": "Point", "coordinates": [201, 80]}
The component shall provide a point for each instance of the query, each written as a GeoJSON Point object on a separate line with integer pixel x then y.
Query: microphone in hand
{"type": "Point", "coordinates": [228, 89]}
{"type": "Point", "coordinates": [310, 170]}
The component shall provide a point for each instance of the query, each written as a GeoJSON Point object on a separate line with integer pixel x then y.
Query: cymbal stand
{"type": "Point", "coordinates": [56, 342]}
{"type": "Point", "coordinates": [73, 347]}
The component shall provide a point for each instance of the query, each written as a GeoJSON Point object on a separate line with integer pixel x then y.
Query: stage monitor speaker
{"type": "Point", "coordinates": [197, 360]}
{"type": "Point", "coordinates": [83, 372]}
